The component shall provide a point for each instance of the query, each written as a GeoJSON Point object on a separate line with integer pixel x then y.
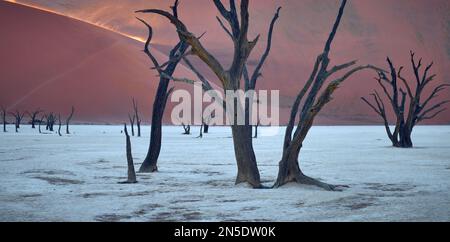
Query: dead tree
{"type": "Point", "coordinates": [4, 119]}
{"type": "Point", "coordinates": [59, 124]}
{"type": "Point", "coordinates": [33, 117]}
{"type": "Point", "coordinates": [317, 96]}
{"type": "Point", "coordinates": [231, 78]}
{"type": "Point", "coordinates": [417, 111]}
{"type": "Point", "coordinates": [187, 129]}
{"type": "Point", "coordinates": [40, 123]}
{"type": "Point", "coordinates": [162, 94]}
{"type": "Point", "coordinates": [50, 121]}
{"type": "Point", "coordinates": [201, 131]}
{"type": "Point", "coordinates": [132, 119]}
{"type": "Point", "coordinates": [138, 119]}
{"type": "Point", "coordinates": [18, 116]}
{"type": "Point", "coordinates": [256, 129]}
{"type": "Point", "coordinates": [72, 112]}
{"type": "Point", "coordinates": [131, 173]}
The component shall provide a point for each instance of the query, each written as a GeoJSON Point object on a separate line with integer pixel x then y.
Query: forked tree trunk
{"type": "Point", "coordinates": [131, 172]}
{"type": "Point", "coordinates": [245, 156]}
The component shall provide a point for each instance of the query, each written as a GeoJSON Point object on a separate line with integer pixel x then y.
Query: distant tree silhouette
{"type": "Point", "coordinates": [4, 119]}
{"type": "Point", "coordinates": [418, 110]}
{"type": "Point", "coordinates": [33, 117]}
{"type": "Point", "coordinates": [72, 112]}
{"type": "Point", "coordinates": [18, 116]}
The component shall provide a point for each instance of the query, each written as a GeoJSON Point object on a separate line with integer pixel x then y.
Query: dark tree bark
{"type": "Point", "coordinates": [59, 124]}
{"type": "Point", "coordinates": [18, 119]}
{"type": "Point", "coordinates": [205, 128]}
{"type": "Point", "coordinates": [72, 112]}
{"type": "Point", "coordinates": [256, 130]}
{"type": "Point", "coordinates": [316, 99]}
{"type": "Point", "coordinates": [33, 117]}
{"type": "Point", "coordinates": [132, 119]}
{"type": "Point", "coordinates": [150, 163]}
{"type": "Point", "coordinates": [40, 123]}
{"type": "Point", "coordinates": [417, 111]}
{"type": "Point", "coordinates": [201, 131]}
{"type": "Point", "coordinates": [50, 121]}
{"type": "Point", "coordinates": [4, 119]}
{"type": "Point", "coordinates": [130, 162]}
{"type": "Point", "coordinates": [231, 78]}
{"type": "Point", "coordinates": [138, 119]}
{"type": "Point", "coordinates": [187, 129]}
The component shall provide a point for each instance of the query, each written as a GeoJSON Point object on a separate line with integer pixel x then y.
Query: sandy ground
{"type": "Point", "coordinates": [44, 177]}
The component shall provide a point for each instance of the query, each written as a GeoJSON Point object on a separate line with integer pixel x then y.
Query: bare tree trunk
{"type": "Point", "coordinates": [40, 123]}
{"type": "Point", "coordinates": [206, 128]}
{"type": "Point", "coordinates": [187, 129]}
{"type": "Point", "coordinates": [18, 118]}
{"type": "Point", "coordinates": [136, 115]}
{"type": "Point", "coordinates": [59, 124]}
{"type": "Point", "coordinates": [256, 130]}
{"type": "Point", "coordinates": [4, 119]}
{"type": "Point", "coordinates": [245, 156]}
{"type": "Point", "coordinates": [201, 131]}
{"type": "Point", "coordinates": [132, 120]}
{"type": "Point", "coordinates": [131, 172]}
{"type": "Point", "coordinates": [69, 119]}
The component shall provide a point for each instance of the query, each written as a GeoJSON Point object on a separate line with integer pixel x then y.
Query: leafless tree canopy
{"type": "Point", "coordinates": [409, 104]}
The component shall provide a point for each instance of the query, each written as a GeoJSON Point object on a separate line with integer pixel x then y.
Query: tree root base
{"type": "Point", "coordinates": [128, 182]}
{"type": "Point", "coordinates": [306, 180]}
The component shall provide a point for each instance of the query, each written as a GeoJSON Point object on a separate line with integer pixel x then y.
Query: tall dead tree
{"type": "Point", "coordinates": [18, 116]}
{"type": "Point", "coordinates": [136, 115]}
{"type": "Point", "coordinates": [231, 78]}
{"type": "Point", "coordinates": [59, 124]}
{"type": "Point", "coordinates": [399, 96]}
{"type": "Point", "coordinates": [131, 172]}
{"type": "Point", "coordinates": [132, 119]}
{"type": "Point", "coordinates": [72, 112]}
{"type": "Point", "coordinates": [33, 117]}
{"type": "Point", "coordinates": [4, 119]}
{"type": "Point", "coordinates": [317, 96]}
{"type": "Point", "coordinates": [162, 94]}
